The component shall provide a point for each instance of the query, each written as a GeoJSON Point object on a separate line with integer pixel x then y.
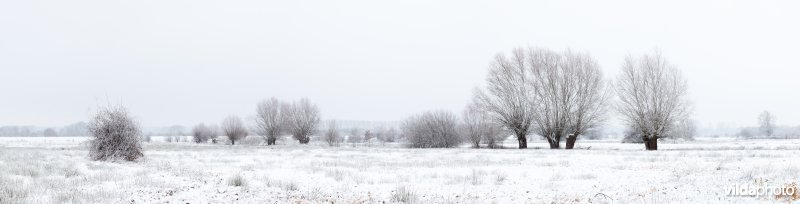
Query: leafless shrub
{"type": "Point", "coordinates": [233, 128]}
{"type": "Point", "coordinates": [302, 120]}
{"type": "Point", "coordinates": [494, 135]}
{"type": "Point", "coordinates": [368, 136]}
{"type": "Point", "coordinates": [652, 96]}
{"type": "Point", "coordinates": [202, 133]}
{"type": "Point", "coordinates": [213, 133]}
{"type": "Point", "coordinates": [435, 129]}
{"type": "Point", "coordinates": [388, 135]}
{"type": "Point", "coordinates": [237, 180]}
{"type": "Point", "coordinates": [403, 194]}
{"type": "Point", "coordinates": [354, 136]}
{"type": "Point", "coordinates": [115, 135]}
{"type": "Point", "coordinates": [478, 127]}
{"type": "Point", "coordinates": [332, 136]}
{"type": "Point", "coordinates": [684, 129]}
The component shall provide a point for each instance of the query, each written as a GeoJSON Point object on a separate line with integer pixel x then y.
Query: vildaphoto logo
{"type": "Point", "coordinates": [761, 191]}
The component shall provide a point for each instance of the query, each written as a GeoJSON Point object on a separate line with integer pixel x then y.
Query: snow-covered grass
{"type": "Point", "coordinates": [57, 170]}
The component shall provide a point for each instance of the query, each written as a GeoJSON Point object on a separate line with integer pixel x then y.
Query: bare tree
{"type": "Point", "coordinates": [766, 121]}
{"type": "Point", "coordinates": [568, 93]}
{"type": "Point", "coordinates": [270, 119]}
{"type": "Point", "coordinates": [115, 135]}
{"type": "Point", "coordinates": [652, 96]}
{"type": "Point", "coordinates": [234, 129]}
{"type": "Point", "coordinates": [506, 98]}
{"type": "Point", "coordinates": [588, 95]}
{"type": "Point", "coordinates": [435, 129]}
{"type": "Point", "coordinates": [202, 133]}
{"type": "Point", "coordinates": [549, 94]}
{"type": "Point", "coordinates": [302, 120]}
{"type": "Point", "coordinates": [474, 125]}
{"type": "Point", "coordinates": [332, 136]}
{"type": "Point", "coordinates": [478, 127]}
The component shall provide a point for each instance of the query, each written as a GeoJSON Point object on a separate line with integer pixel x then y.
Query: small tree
{"type": "Point", "coordinates": [202, 133]}
{"type": "Point", "coordinates": [436, 129]}
{"type": "Point", "coordinates": [115, 134]}
{"type": "Point", "coordinates": [473, 125]}
{"type": "Point", "coordinates": [766, 123]}
{"type": "Point", "coordinates": [234, 129]}
{"type": "Point", "coordinates": [478, 127]}
{"type": "Point", "coordinates": [332, 136]}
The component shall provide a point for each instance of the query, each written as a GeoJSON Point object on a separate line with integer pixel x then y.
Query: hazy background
{"type": "Point", "coordinates": [185, 62]}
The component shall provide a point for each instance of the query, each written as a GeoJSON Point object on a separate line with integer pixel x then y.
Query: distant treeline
{"type": "Point", "coordinates": [75, 129]}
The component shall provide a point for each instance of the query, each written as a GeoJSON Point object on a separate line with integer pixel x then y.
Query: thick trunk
{"type": "Point", "coordinates": [650, 143]}
{"type": "Point", "coordinates": [523, 141]}
{"type": "Point", "coordinates": [653, 144]}
{"type": "Point", "coordinates": [571, 140]}
{"type": "Point", "coordinates": [304, 140]}
{"type": "Point", "coordinates": [271, 141]}
{"type": "Point", "coordinates": [233, 142]}
{"type": "Point", "coordinates": [555, 142]}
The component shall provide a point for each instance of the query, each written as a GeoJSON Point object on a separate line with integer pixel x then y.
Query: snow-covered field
{"type": "Point", "coordinates": [56, 170]}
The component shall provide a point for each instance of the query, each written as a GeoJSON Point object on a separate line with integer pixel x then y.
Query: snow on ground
{"type": "Point", "coordinates": [56, 170]}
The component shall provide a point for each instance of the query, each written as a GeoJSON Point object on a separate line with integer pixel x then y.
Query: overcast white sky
{"type": "Point", "coordinates": [191, 61]}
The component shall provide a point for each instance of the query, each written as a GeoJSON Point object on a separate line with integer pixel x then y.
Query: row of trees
{"type": "Point", "coordinates": [556, 95]}
{"type": "Point", "coordinates": [563, 94]}
{"type": "Point", "coordinates": [273, 118]}
{"type": "Point", "coordinates": [76, 129]}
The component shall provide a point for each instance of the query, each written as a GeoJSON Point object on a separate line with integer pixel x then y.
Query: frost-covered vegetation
{"type": "Point", "coordinates": [56, 170]}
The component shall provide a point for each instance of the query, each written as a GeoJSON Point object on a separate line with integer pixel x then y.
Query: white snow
{"type": "Point", "coordinates": [57, 170]}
